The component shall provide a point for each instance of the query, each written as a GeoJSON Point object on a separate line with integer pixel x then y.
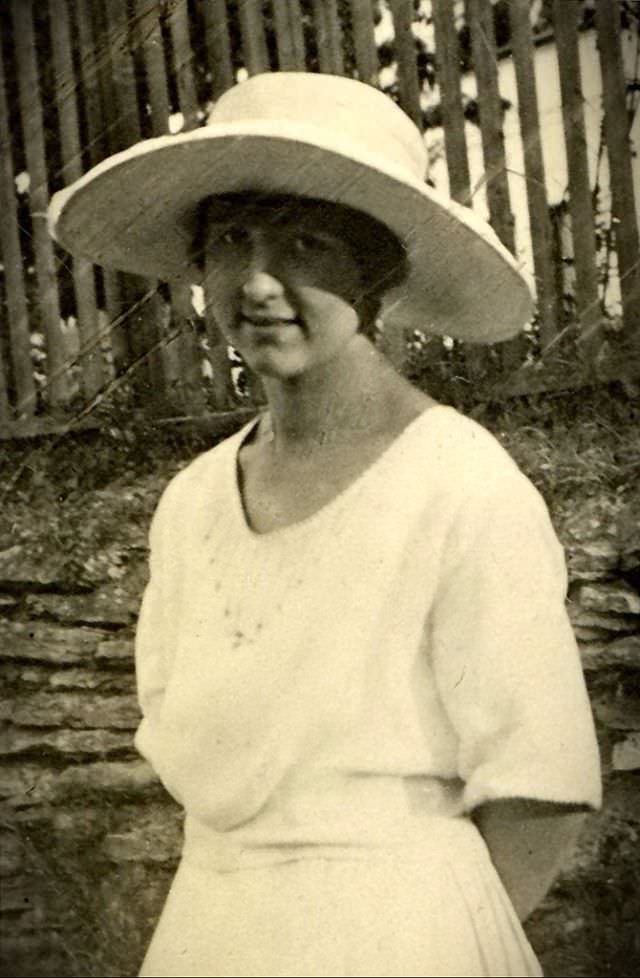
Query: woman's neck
{"type": "Point", "coordinates": [337, 403]}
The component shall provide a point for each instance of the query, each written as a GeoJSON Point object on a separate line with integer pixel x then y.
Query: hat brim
{"type": "Point", "coordinates": [136, 211]}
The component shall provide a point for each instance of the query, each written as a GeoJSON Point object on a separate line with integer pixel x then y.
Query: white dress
{"type": "Point", "coordinates": [329, 701]}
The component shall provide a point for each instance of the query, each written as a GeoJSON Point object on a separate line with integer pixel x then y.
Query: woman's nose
{"type": "Point", "coordinates": [261, 286]}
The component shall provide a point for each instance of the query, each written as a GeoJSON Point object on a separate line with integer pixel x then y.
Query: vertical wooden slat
{"type": "Point", "coordinates": [127, 130]}
{"type": "Point", "coordinates": [141, 313]}
{"type": "Point", "coordinates": [566, 15]}
{"type": "Point", "coordinates": [99, 106]}
{"type": "Point", "coordinates": [33, 133]}
{"type": "Point", "coordinates": [17, 310]}
{"type": "Point", "coordinates": [254, 45]}
{"type": "Point", "coordinates": [82, 270]}
{"type": "Point", "coordinates": [222, 394]}
{"type": "Point", "coordinates": [65, 90]}
{"type": "Point", "coordinates": [100, 112]}
{"type": "Point", "coordinates": [189, 353]}
{"type": "Point", "coordinates": [102, 126]}
{"type": "Point", "coordinates": [364, 41]}
{"type": "Point", "coordinates": [455, 143]}
{"type": "Point", "coordinates": [328, 36]}
{"type": "Point", "coordinates": [405, 48]}
{"type": "Point", "coordinates": [149, 39]}
{"type": "Point", "coordinates": [149, 36]}
{"type": "Point", "coordinates": [287, 16]}
{"type": "Point", "coordinates": [92, 71]}
{"type": "Point", "coordinates": [218, 45]}
{"type": "Point", "coordinates": [447, 58]}
{"type": "Point", "coordinates": [616, 129]}
{"type": "Point", "coordinates": [539, 221]}
{"type": "Point", "coordinates": [183, 63]}
{"type": "Point", "coordinates": [122, 127]}
{"type": "Point", "coordinates": [182, 312]}
{"type": "Point", "coordinates": [5, 407]}
{"type": "Point", "coordinates": [485, 66]}
{"type": "Point", "coordinates": [140, 307]}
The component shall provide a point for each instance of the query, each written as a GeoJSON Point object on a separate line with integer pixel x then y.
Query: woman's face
{"type": "Point", "coordinates": [282, 283]}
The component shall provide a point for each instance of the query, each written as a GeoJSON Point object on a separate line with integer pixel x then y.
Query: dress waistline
{"type": "Point", "coordinates": [382, 822]}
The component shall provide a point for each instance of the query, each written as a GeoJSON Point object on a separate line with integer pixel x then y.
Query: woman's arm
{"type": "Point", "coordinates": [528, 842]}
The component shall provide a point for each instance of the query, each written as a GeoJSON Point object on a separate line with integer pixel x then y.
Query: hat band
{"type": "Point", "coordinates": [365, 116]}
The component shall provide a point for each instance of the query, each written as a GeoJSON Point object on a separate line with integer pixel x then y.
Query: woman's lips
{"type": "Point", "coordinates": [261, 320]}
{"type": "Point", "coordinates": [271, 322]}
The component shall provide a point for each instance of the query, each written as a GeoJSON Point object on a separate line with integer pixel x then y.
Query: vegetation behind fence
{"type": "Point", "coordinates": [80, 79]}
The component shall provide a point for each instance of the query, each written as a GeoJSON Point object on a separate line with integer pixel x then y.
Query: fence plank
{"type": "Point", "coordinates": [566, 15]}
{"type": "Point", "coordinates": [182, 313]}
{"type": "Point", "coordinates": [149, 40]}
{"type": "Point", "coordinates": [254, 45]}
{"type": "Point", "coordinates": [17, 310]}
{"type": "Point", "coordinates": [100, 113]}
{"type": "Point", "coordinates": [183, 64]}
{"type": "Point", "coordinates": [289, 35]}
{"type": "Point", "coordinates": [223, 395]}
{"type": "Point", "coordinates": [5, 407]}
{"type": "Point", "coordinates": [138, 322]}
{"type": "Point", "coordinates": [328, 36]}
{"type": "Point", "coordinates": [539, 222]}
{"type": "Point", "coordinates": [33, 133]}
{"type": "Point", "coordinates": [405, 48]}
{"type": "Point", "coordinates": [127, 121]}
{"type": "Point", "coordinates": [65, 90]}
{"type": "Point", "coordinates": [364, 41]}
{"type": "Point", "coordinates": [485, 66]}
{"type": "Point", "coordinates": [189, 353]}
{"type": "Point", "coordinates": [94, 74]}
{"type": "Point", "coordinates": [123, 129]}
{"type": "Point", "coordinates": [448, 61]}
{"type": "Point", "coordinates": [82, 270]}
{"type": "Point", "coordinates": [218, 45]}
{"type": "Point", "coordinates": [616, 129]}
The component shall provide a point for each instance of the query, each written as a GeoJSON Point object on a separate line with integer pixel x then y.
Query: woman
{"type": "Point", "coordinates": [354, 662]}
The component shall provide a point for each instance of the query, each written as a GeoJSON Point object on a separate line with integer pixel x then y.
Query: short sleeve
{"type": "Point", "coordinates": [155, 632]}
{"type": "Point", "coordinates": [151, 659]}
{"type": "Point", "coordinates": [505, 659]}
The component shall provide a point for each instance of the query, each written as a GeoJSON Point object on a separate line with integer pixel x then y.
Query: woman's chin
{"type": "Point", "coordinates": [276, 365]}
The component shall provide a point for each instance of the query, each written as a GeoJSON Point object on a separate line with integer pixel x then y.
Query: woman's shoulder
{"type": "Point", "coordinates": [464, 453]}
{"type": "Point", "coordinates": [486, 491]}
{"type": "Point", "coordinates": [202, 476]}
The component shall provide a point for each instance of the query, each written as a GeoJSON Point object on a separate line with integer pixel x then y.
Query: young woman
{"type": "Point", "coordinates": [354, 662]}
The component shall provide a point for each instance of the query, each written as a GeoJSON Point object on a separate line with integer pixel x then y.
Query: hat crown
{"type": "Point", "coordinates": [342, 107]}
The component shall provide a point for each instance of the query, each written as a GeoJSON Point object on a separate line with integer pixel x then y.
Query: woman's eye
{"type": "Point", "coordinates": [231, 236]}
{"type": "Point", "coordinates": [306, 243]}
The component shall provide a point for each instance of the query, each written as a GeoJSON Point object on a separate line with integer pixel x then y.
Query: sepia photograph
{"type": "Point", "coordinates": [319, 488]}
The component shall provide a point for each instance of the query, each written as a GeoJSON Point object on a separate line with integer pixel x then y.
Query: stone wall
{"type": "Point", "coordinates": [88, 838]}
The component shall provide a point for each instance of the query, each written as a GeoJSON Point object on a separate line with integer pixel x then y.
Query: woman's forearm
{"type": "Point", "coordinates": [528, 842]}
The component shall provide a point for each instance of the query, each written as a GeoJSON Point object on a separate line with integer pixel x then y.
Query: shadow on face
{"type": "Point", "coordinates": [379, 254]}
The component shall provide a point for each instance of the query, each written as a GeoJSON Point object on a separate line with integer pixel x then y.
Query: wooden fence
{"type": "Point", "coordinates": [80, 79]}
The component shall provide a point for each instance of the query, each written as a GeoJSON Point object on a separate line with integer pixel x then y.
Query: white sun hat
{"type": "Point", "coordinates": [312, 135]}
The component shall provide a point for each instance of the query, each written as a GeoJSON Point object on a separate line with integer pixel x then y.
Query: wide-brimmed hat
{"type": "Point", "coordinates": [312, 135]}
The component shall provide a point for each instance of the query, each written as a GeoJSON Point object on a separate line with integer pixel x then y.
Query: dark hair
{"type": "Point", "coordinates": [380, 254]}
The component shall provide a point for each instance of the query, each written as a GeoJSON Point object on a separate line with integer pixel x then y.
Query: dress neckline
{"type": "Point", "coordinates": [298, 526]}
